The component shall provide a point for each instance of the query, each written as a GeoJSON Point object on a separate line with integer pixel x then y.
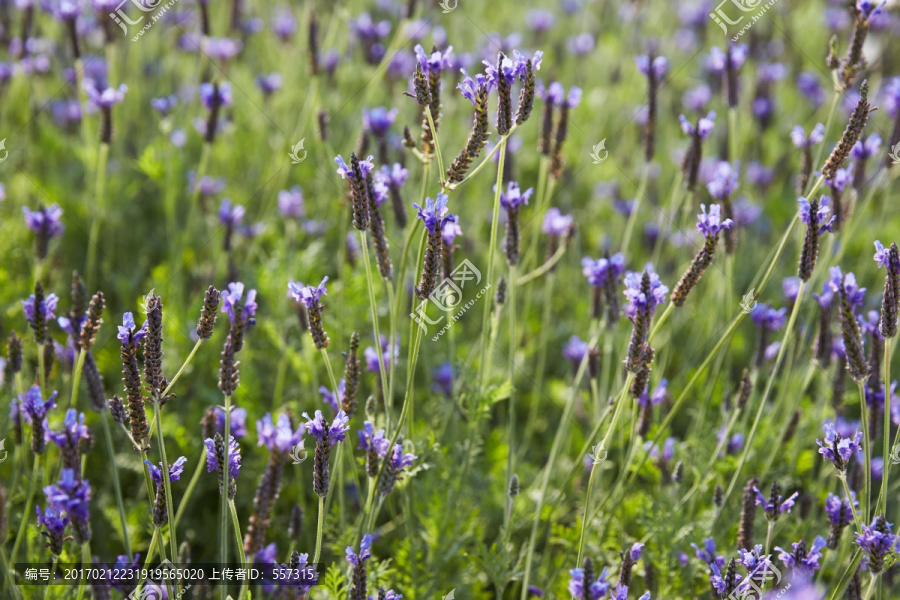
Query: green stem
{"type": "Point", "coordinates": [167, 485]}
{"type": "Point", "coordinates": [867, 452]}
{"type": "Point", "coordinates": [328, 368]}
{"type": "Point", "coordinates": [373, 306]}
{"type": "Point", "coordinates": [97, 217]}
{"type": "Point", "coordinates": [886, 451]}
{"type": "Point", "coordinates": [490, 273]}
{"type": "Point", "coordinates": [843, 477]}
{"type": "Point", "coordinates": [510, 455]}
{"type": "Point", "coordinates": [53, 561]}
{"type": "Point", "coordinates": [115, 473]}
{"type": "Point", "coordinates": [437, 146]}
{"type": "Point", "coordinates": [86, 561]}
{"type": "Point", "coordinates": [486, 160]}
{"type": "Point", "coordinates": [632, 218]}
{"type": "Point", "coordinates": [320, 528]}
{"type": "Point", "coordinates": [785, 342]}
{"type": "Point", "coordinates": [236, 526]}
{"type": "Point", "coordinates": [190, 489]}
{"type": "Point", "coordinates": [223, 500]}
{"type": "Point", "coordinates": [551, 462]}
{"type": "Point", "coordinates": [871, 587]}
{"type": "Point", "coordinates": [184, 365]}
{"type": "Point", "coordinates": [76, 378]}
{"type": "Point", "coordinates": [23, 526]}
{"type": "Point", "coordinates": [732, 134]}
{"type": "Point", "coordinates": [407, 398]}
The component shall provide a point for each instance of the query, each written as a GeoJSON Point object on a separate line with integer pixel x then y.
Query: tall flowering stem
{"type": "Point", "coordinates": [889, 258]}
{"type": "Point", "coordinates": [554, 453]}
{"type": "Point", "coordinates": [769, 383]}
{"type": "Point", "coordinates": [495, 219]}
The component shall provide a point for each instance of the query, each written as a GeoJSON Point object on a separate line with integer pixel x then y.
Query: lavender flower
{"type": "Point", "coordinates": [710, 225]}
{"type": "Point", "coordinates": [39, 311]}
{"type": "Point", "coordinates": [290, 203]}
{"type": "Point", "coordinates": [215, 461]}
{"type": "Point", "coordinates": [582, 584]}
{"type": "Point", "coordinates": [565, 104]}
{"type": "Point", "coordinates": [55, 524]}
{"type": "Point", "coordinates": [604, 275]}
{"type": "Point", "coordinates": [46, 223]}
{"type": "Point", "coordinates": [644, 293]}
{"type": "Point", "coordinates": [513, 200]}
{"type": "Point", "coordinates": [35, 410]}
{"type": "Point", "coordinates": [852, 133]}
{"type": "Point", "coordinates": [890, 260]}
{"type": "Point", "coordinates": [311, 298]}
{"type": "Point", "coordinates": [729, 64]}
{"type": "Point", "coordinates": [804, 562]}
{"type": "Point", "coordinates": [777, 504]}
{"type": "Point", "coordinates": [278, 436]}
{"type": "Point", "coordinates": [326, 436]}
{"type": "Point", "coordinates": [851, 296]}
{"type": "Point", "coordinates": [838, 449]}
{"type": "Point", "coordinates": [840, 514]}
{"type": "Point", "coordinates": [814, 213]}
{"type": "Point", "coordinates": [357, 175]}
{"type": "Point", "coordinates": [655, 69]}
{"type": "Point", "coordinates": [214, 96]}
{"type": "Point", "coordinates": [694, 155]}
{"type": "Point", "coordinates": [358, 577]}
{"type": "Point", "coordinates": [805, 143]}
{"type": "Point", "coordinates": [72, 440]}
{"type": "Point", "coordinates": [435, 215]}
{"type": "Point", "coordinates": [853, 61]}
{"type": "Point", "coordinates": [397, 462]}
{"type": "Point", "coordinates": [71, 495]}
{"type": "Point", "coordinates": [176, 469]}
{"type": "Point", "coordinates": [269, 84]}
{"type": "Point", "coordinates": [861, 152]}
{"type": "Point", "coordinates": [877, 542]}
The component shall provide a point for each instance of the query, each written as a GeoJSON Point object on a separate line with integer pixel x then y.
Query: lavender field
{"type": "Point", "coordinates": [333, 300]}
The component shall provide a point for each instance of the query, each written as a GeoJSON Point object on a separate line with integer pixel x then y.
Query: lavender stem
{"type": "Point", "coordinates": [97, 218]}
{"type": "Point", "coordinates": [167, 486]}
{"type": "Point", "coordinates": [115, 473]}
{"type": "Point", "coordinates": [373, 306]}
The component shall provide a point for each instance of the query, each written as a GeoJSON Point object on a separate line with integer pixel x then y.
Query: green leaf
{"type": "Point", "coordinates": [149, 165]}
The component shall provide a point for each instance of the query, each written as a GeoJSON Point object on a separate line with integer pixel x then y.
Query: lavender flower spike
{"type": "Point", "coordinates": [35, 410]}
{"type": "Point", "coordinates": [710, 225]}
{"type": "Point", "coordinates": [878, 541]}
{"type": "Point", "coordinates": [46, 223]}
{"type": "Point", "coordinates": [644, 293]}
{"type": "Point", "coordinates": [890, 260]}
{"type": "Point", "coordinates": [311, 297]}
{"type": "Point", "coordinates": [435, 215]}
{"type": "Point", "coordinates": [694, 155]}
{"type": "Point", "coordinates": [326, 436]}
{"type": "Point", "coordinates": [777, 504]}
{"type": "Point", "coordinates": [814, 213]}
{"type": "Point", "coordinates": [838, 449]}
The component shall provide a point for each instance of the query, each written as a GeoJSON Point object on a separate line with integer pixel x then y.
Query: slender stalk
{"type": "Point", "coordinates": [511, 372]}
{"type": "Point", "coordinates": [397, 297]}
{"type": "Point", "coordinates": [437, 146]}
{"type": "Point", "coordinates": [107, 434]}
{"type": "Point", "coordinates": [97, 217]}
{"type": "Point", "coordinates": [492, 249]}
{"type": "Point", "coordinates": [732, 134]}
{"type": "Point", "coordinates": [53, 561]}
{"type": "Point", "coordinates": [632, 218]}
{"type": "Point", "coordinates": [76, 378]}
{"type": "Point", "coordinates": [769, 383]}
{"type": "Point", "coordinates": [238, 542]}
{"type": "Point", "coordinates": [551, 461]}
{"type": "Point", "coordinates": [544, 268]}
{"type": "Point", "coordinates": [320, 527]}
{"type": "Point", "coordinates": [871, 587]}
{"type": "Point", "coordinates": [843, 477]}
{"type": "Point", "coordinates": [328, 368]}
{"type": "Point", "coordinates": [407, 397]}
{"type": "Point", "coordinates": [190, 488]}
{"type": "Point", "coordinates": [184, 365]}
{"type": "Point", "coordinates": [373, 306]}
{"type": "Point", "coordinates": [886, 434]}
{"type": "Point", "coordinates": [223, 500]}
{"type": "Point", "coordinates": [769, 530]}
{"type": "Point", "coordinates": [835, 98]}
{"type": "Point", "coordinates": [167, 485]}
{"type": "Point", "coordinates": [620, 402]}
{"type": "Point", "coordinates": [86, 561]}
{"type": "Point", "coordinates": [486, 160]}
{"type": "Point", "coordinates": [867, 452]}
{"type": "Point", "coordinates": [29, 498]}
